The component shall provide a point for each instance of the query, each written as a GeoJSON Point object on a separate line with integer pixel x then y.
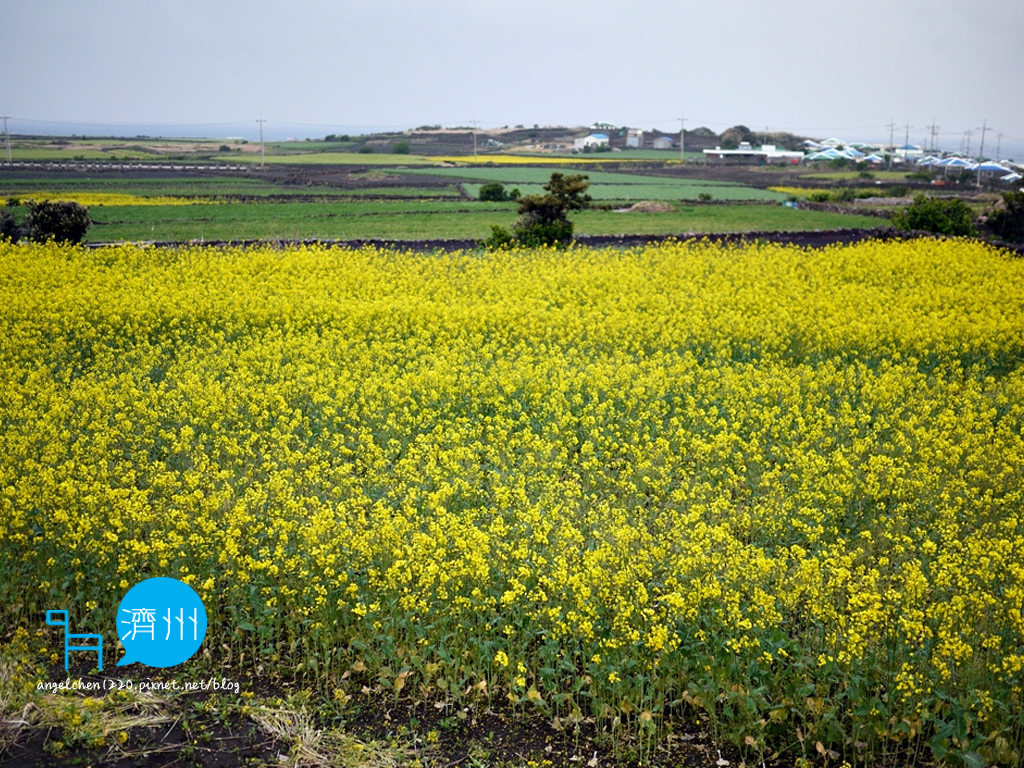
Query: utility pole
{"type": "Point", "coordinates": [263, 150]}
{"type": "Point", "coordinates": [682, 139]}
{"type": "Point", "coordinates": [935, 132]}
{"type": "Point", "coordinates": [906, 143]}
{"type": "Point", "coordinates": [892, 142]}
{"type": "Point", "coordinates": [999, 144]}
{"type": "Point", "coordinates": [474, 138]}
{"type": "Point", "coordinates": [969, 133]}
{"type": "Point", "coordinates": [981, 151]}
{"type": "Point", "coordinates": [7, 137]}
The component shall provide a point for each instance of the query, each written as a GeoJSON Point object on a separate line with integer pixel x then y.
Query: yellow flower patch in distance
{"type": "Point", "coordinates": [90, 199]}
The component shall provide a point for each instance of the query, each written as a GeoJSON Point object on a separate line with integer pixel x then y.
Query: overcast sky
{"type": "Point", "coordinates": [311, 67]}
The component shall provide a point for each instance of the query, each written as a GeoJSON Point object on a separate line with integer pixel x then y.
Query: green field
{"type": "Point", "coordinates": [412, 220]}
{"type": "Point", "coordinates": [604, 185]}
{"type": "Point", "coordinates": [360, 199]}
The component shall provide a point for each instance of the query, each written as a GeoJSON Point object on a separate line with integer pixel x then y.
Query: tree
{"type": "Point", "coordinates": [494, 191]}
{"type": "Point", "coordinates": [401, 148]}
{"type": "Point", "coordinates": [60, 220]}
{"type": "Point", "coordinates": [9, 228]}
{"type": "Point", "coordinates": [1007, 220]}
{"type": "Point", "coordinates": [731, 138]}
{"type": "Point", "coordinates": [931, 214]}
{"type": "Point", "coordinates": [544, 219]}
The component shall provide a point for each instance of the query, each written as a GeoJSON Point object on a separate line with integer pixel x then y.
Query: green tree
{"type": "Point", "coordinates": [9, 228]}
{"type": "Point", "coordinates": [941, 216]}
{"type": "Point", "coordinates": [1007, 221]}
{"type": "Point", "coordinates": [494, 191]}
{"type": "Point", "coordinates": [544, 219]}
{"type": "Point", "coordinates": [59, 220]}
{"type": "Point", "coordinates": [401, 148]}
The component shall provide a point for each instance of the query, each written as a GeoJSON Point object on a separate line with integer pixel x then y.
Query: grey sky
{"type": "Point", "coordinates": [313, 66]}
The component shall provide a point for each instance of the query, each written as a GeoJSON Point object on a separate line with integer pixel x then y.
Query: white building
{"type": "Point", "coordinates": [634, 138]}
{"type": "Point", "coordinates": [747, 154]}
{"type": "Point", "coordinates": [593, 141]}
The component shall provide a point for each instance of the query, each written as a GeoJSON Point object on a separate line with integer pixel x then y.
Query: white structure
{"type": "Point", "coordinates": [593, 140]}
{"type": "Point", "coordinates": [747, 154]}
{"type": "Point", "coordinates": [634, 138]}
{"type": "Point", "coordinates": [663, 142]}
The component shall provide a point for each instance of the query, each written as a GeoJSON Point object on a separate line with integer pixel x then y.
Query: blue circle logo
{"type": "Point", "coordinates": [161, 622]}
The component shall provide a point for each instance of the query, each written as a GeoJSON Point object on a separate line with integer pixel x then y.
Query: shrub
{"type": "Point", "coordinates": [401, 148]}
{"type": "Point", "coordinates": [543, 219]}
{"type": "Point", "coordinates": [819, 197]}
{"type": "Point", "coordinates": [846, 195]}
{"type": "Point", "coordinates": [941, 216]}
{"type": "Point", "coordinates": [898, 191]}
{"type": "Point", "coordinates": [366, 149]}
{"type": "Point", "coordinates": [704, 197]}
{"type": "Point", "coordinates": [9, 228]}
{"type": "Point", "coordinates": [1008, 220]}
{"type": "Point", "coordinates": [500, 238]}
{"type": "Point", "coordinates": [59, 220]}
{"type": "Point", "coordinates": [494, 191]}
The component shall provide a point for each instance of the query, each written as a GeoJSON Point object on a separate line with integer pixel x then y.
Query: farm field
{"type": "Point", "coordinates": [604, 185]}
{"type": "Point", "coordinates": [408, 220]}
{"type": "Point", "coordinates": [397, 203]}
{"type": "Point", "coordinates": [762, 499]}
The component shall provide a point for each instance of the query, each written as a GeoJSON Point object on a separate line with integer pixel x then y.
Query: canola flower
{"type": "Point", "coordinates": [90, 199]}
{"type": "Point", "coordinates": [794, 191]}
{"type": "Point", "coordinates": [775, 486]}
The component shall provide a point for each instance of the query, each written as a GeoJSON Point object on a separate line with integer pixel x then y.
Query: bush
{"type": "Point", "coordinates": [494, 191]}
{"type": "Point", "coordinates": [500, 238]}
{"type": "Point", "coordinates": [1008, 221]}
{"type": "Point", "coordinates": [941, 216]}
{"type": "Point", "coordinates": [59, 220]}
{"type": "Point", "coordinates": [9, 228]}
{"type": "Point", "coordinates": [366, 149]}
{"type": "Point", "coordinates": [898, 191]}
{"type": "Point", "coordinates": [401, 148]}
{"type": "Point", "coordinates": [543, 219]}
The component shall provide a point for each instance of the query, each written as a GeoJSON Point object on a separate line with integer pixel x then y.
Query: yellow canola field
{"type": "Point", "coordinates": [775, 487]}
{"type": "Point", "coordinates": [89, 199]}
